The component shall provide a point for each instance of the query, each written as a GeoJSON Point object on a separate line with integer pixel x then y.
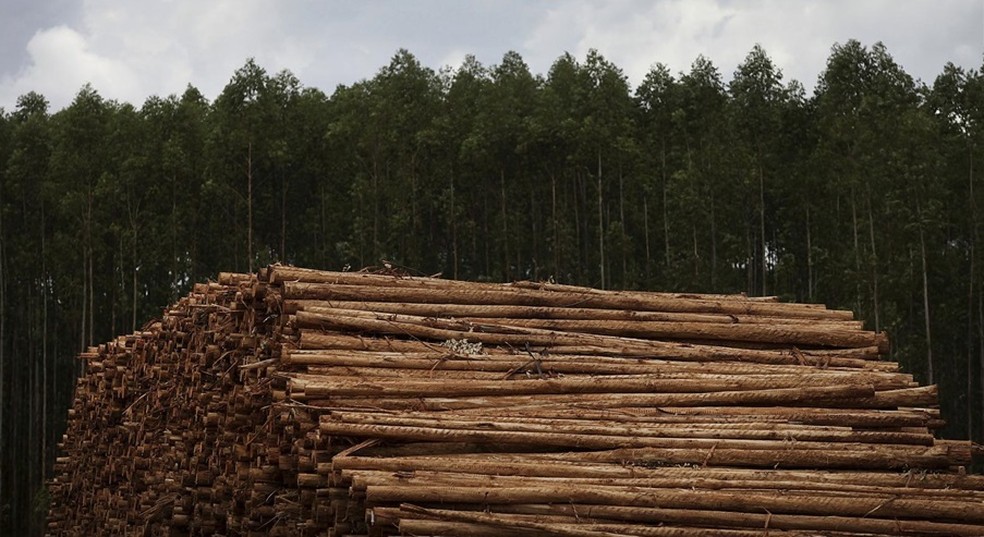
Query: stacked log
{"type": "Point", "coordinates": [303, 402]}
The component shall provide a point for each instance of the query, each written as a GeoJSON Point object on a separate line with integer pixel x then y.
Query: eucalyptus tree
{"type": "Point", "coordinates": [318, 197]}
{"type": "Point", "coordinates": [554, 133]}
{"type": "Point", "coordinates": [79, 153]}
{"type": "Point", "coordinates": [502, 125]}
{"type": "Point", "coordinates": [702, 178]}
{"type": "Point", "coordinates": [657, 99]}
{"type": "Point", "coordinates": [464, 200]}
{"type": "Point", "coordinates": [403, 101]}
{"type": "Point", "coordinates": [607, 137]}
{"type": "Point", "coordinates": [238, 140]}
{"type": "Point", "coordinates": [756, 97]}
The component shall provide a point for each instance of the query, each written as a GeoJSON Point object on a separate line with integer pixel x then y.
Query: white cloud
{"type": "Point", "coordinates": [61, 62]}
{"type": "Point", "coordinates": [131, 49]}
{"type": "Point", "coordinates": [797, 35]}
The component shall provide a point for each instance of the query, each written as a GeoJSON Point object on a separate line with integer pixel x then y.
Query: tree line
{"type": "Point", "coordinates": [861, 195]}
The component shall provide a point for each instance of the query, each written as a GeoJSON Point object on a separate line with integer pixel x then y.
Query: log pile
{"type": "Point", "coordinates": [302, 402]}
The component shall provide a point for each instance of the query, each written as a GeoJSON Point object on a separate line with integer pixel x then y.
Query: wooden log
{"type": "Point", "coordinates": [759, 431]}
{"type": "Point", "coordinates": [774, 502]}
{"type": "Point", "coordinates": [287, 274]}
{"type": "Point", "coordinates": [441, 330]}
{"type": "Point", "coordinates": [531, 297]}
{"type": "Point", "coordinates": [316, 340]}
{"type": "Point", "coordinates": [797, 334]}
{"type": "Point", "coordinates": [359, 481]}
{"type": "Point", "coordinates": [527, 312]}
{"type": "Point", "coordinates": [939, 456]}
{"type": "Point", "coordinates": [599, 441]}
{"type": "Point", "coordinates": [774, 521]}
{"type": "Point", "coordinates": [559, 466]}
{"type": "Point", "coordinates": [356, 386]}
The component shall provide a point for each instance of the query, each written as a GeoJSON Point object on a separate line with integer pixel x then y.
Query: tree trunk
{"type": "Point", "coordinates": [454, 232]}
{"type": "Point", "coordinates": [92, 300]}
{"type": "Point", "coordinates": [857, 249]}
{"type": "Point", "coordinates": [324, 228]}
{"type": "Point", "coordinates": [577, 228]}
{"type": "Point", "coordinates": [713, 241]}
{"type": "Point", "coordinates": [175, 279]}
{"type": "Point", "coordinates": [534, 252]}
{"type": "Point", "coordinates": [696, 253]}
{"type": "Point", "coordinates": [85, 290]}
{"type": "Point", "coordinates": [44, 344]}
{"type": "Point", "coordinates": [874, 263]}
{"type": "Point", "coordinates": [249, 207]}
{"type": "Point", "coordinates": [375, 209]}
{"type": "Point", "coordinates": [666, 217]}
{"type": "Point", "coordinates": [556, 223]}
{"type": "Point", "coordinates": [133, 320]}
{"type": "Point", "coordinates": [809, 257]}
{"type": "Point", "coordinates": [970, 302]}
{"type": "Point", "coordinates": [970, 344]}
{"type": "Point", "coordinates": [925, 284]}
{"type": "Point", "coordinates": [283, 217]}
{"type": "Point", "coordinates": [980, 350]}
{"type": "Point", "coordinates": [601, 226]}
{"type": "Point", "coordinates": [764, 253]}
{"type": "Point", "coordinates": [507, 274]}
{"type": "Point", "coordinates": [645, 228]}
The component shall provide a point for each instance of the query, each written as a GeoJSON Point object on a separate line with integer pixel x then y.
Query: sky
{"type": "Point", "coordinates": [130, 50]}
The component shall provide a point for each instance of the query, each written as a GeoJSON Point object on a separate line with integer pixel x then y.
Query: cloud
{"type": "Point", "coordinates": [61, 62]}
{"type": "Point", "coordinates": [797, 35]}
{"type": "Point", "coordinates": [132, 50]}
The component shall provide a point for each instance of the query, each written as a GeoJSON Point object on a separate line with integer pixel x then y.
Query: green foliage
{"type": "Point", "coordinates": [864, 195]}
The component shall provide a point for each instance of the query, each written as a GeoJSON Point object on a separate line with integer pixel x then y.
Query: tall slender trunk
{"type": "Point", "coordinates": [92, 301]}
{"type": "Point", "coordinates": [375, 207]}
{"type": "Point", "coordinates": [696, 254]}
{"type": "Point", "coordinates": [556, 231]}
{"type": "Point", "coordinates": [85, 291]}
{"type": "Point", "coordinates": [764, 253]}
{"type": "Point", "coordinates": [118, 270]}
{"type": "Point", "coordinates": [577, 227]}
{"type": "Point", "coordinates": [970, 300]}
{"type": "Point", "coordinates": [970, 344]}
{"type": "Point", "coordinates": [666, 215]}
{"type": "Point", "coordinates": [980, 350]}
{"type": "Point", "coordinates": [249, 207]}
{"type": "Point", "coordinates": [601, 226]}
{"type": "Point", "coordinates": [925, 284]}
{"type": "Point", "coordinates": [713, 241]}
{"type": "Point", "coordinates": [809, 257]}
{"type": "Point", "coordinates": [874, 263]}
{"type": "Point", "coordinates": [283, 217]}
{"type": "Point", "coordinates": [505, 227]}
{"type": "Point", "coordinates": [133, 319]}
{"type": "Point", "coordinates": [174, 236]}
{"type": "Point", "coordinates": [454, 232]}
{"type": "Point", "coordinates": [857, 250]}
{"type": "Point", "coordinates": [645, 230]}
{"type": "Point", "coordinates": [751, 259]}
{"type": "Point", "coordinates": [324, 228]}
{"type": "Point", "coordinates": [621, 215]}
{"type": "Point", "coordinates": [44, 344]}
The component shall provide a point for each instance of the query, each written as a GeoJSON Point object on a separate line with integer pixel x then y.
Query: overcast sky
{"type": "Point", "coordinates": [131, 49]}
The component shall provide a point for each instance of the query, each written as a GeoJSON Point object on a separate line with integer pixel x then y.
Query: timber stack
{"type": "Point", "coordinates": [304, 402]}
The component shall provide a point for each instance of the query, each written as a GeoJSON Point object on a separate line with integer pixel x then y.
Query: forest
{"type": "Point", "coordinates": [861, 195]}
